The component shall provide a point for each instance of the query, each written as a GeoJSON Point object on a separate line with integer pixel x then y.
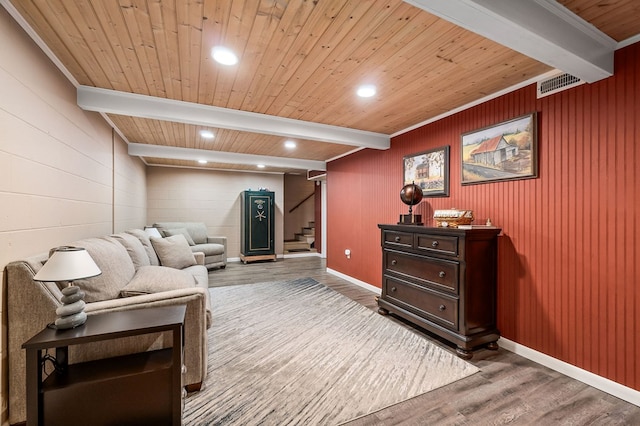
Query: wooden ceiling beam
{"type": "Point", "coordinates": [540, 29]}
{"type": "Point", "coordinates": [175, 153]}
{"type": "Point", "coordinates": [134, 105]}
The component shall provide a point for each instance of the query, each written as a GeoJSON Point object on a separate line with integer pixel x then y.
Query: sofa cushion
{"type": "Point", "coordinates": [174, 251]}
{"type": "Point", "coordinates": [200, 274]}
{"type": "Point", "coordinates": [114, 262]}
{"type": "Point", "coordinates": [209, 249]}
{"type": "Point", "coordinates": [197, 230]}
{"type": "Point", "coordinates": [179, 231]}
{"type": "Point", "coordinates": [135, 249]}
{"type": "Point", "coordinates": [154, 279]}
{"type": "Point", "coordinates": [148, 247]}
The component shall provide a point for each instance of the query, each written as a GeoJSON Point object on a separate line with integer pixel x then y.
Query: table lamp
{"type": "Point", "coordinates": [152, 232]}
{"type": "Point", "coordinates": [66, 264]}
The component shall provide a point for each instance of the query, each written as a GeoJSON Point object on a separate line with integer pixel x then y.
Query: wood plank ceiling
{"type": "Point", "coordinates": [299, 60]}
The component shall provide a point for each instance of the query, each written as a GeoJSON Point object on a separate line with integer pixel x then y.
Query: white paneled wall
{"type": "Point", "coordinates": [212, 197]}
{"type": "Point", "coordinates": [63, 174]}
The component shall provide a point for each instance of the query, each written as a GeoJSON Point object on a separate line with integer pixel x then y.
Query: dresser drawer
{"type": "Point", "coordinates": [435, 273]}
{"type": "Point", "coordinates": [397, 239]}
{"type": "Point", "coordinates": [437, 244]}
{"type": "Point", "coordinates": [426, 303]}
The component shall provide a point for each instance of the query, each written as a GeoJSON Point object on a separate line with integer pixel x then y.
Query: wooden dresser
{"type": "Point", "coordinates": [443, 280]}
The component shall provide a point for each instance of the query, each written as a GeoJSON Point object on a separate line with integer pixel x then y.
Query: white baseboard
{"type": "Point", "coordinates": [301, 254]}
{"type": "Point", "coordinates": [362, 284]}
{"type": "Point", "coordinates": [283, 256]}
{"type": "Point", "coordinates": [609, 386]}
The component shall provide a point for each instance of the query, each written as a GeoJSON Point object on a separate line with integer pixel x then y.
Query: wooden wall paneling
{"type": "Point", "coordinates": [317, 202]}
{"type": "Point", "coordinates": [632, 115]}
{"type": "Point", "coordinates": [568, 274]}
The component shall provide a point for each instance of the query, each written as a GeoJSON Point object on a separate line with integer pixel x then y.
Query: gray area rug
{"type": "Point", "coordinates": [299, 353]}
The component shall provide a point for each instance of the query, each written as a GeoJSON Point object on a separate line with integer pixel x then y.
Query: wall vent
{"type": "Point", "coordinates": [557, 84]}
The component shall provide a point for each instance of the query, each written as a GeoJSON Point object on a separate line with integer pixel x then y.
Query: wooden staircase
{"type": "Point", "coordinates": [304, 241]}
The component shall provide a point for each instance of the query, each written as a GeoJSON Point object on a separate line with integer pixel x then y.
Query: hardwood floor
{"type": "Point", "coordinates": [509, 389]}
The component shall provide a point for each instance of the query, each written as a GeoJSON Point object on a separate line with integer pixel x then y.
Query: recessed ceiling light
{"type": "Point", "coordinates": [206, 134]}
{"type": "Point", "coordinates": [261, 166]}
{"type": "Point", "coordinates": [366, 90]}
{"type": "Point", "coordinates": [224, 56]}
{"type": "Point", "coordinates": [290, 144]}
{"type": "Point", "coordinates": [202, 161]}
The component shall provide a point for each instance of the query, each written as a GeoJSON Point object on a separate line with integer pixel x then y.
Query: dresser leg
{"type": "Point", "coordinates": [383, 311]}
{"type": "Point", "coordinates": [463, 353]}
{"type": "Point", "coordinates": [493, 346]}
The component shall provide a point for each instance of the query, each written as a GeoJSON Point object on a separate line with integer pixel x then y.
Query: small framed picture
{"type": "Point", "coordinates": [429, 170]}
{"type": "Point", "coordinates": [504, 151]}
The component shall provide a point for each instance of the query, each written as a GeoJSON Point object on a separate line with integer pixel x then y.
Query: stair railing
{"type": "Point", "coordinates": [302, 202]}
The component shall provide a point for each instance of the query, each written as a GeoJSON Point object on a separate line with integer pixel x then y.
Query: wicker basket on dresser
{"type": "Point", "coordinates": [443, 280]}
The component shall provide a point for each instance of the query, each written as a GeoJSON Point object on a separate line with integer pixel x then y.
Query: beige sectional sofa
{"type": "Point", "coordinates": [214, 248]}
{"type": "Point", "coordinates": [132, 278]}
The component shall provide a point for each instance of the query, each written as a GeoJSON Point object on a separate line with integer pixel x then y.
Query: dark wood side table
{"type": "Point", "coordinates": [142, 388]}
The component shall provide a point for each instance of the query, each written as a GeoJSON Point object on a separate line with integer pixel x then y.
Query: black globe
{"type": "Point", "coordinates": [411, 194]}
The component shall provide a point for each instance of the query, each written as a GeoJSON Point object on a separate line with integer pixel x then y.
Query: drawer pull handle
{"type": "Point", "coordinates": [394, 262]}
{"type": "Point", "coordinates": [442, 274]}
{"type": "Point", "coordinates": [397, 239]}
{"type": "Point", "coordinates": [393, 289]}
{"type": "Point", "coordinates": [434, 244]}
{"type": "Point", "coordinates": [442, 307]}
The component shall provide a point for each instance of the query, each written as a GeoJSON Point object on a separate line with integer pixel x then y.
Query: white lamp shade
{"type": "Point", "coordinates": [152, 232]}
{"type": "Point", "coordinates": [68, 264]}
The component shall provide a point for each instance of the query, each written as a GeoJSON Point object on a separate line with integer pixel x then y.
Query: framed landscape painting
{"type": "Point", "coordinates": [429, 170]}
{"type": "Point", "coordinates": [504, 151]}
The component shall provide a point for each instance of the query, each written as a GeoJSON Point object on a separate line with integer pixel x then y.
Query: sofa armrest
{"type": "Point", "coordinates": [199, 257]}
{"type": "Point", "coordinates": [197, 320]}
{"type": "Point", "coordinates": [219, 240]}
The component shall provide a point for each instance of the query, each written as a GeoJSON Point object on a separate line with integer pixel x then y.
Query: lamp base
{"type": "Point", "coordinates": [71, 321]}
{"type": "Point", "coordinates": [410, 219]}
{"type": "Point", "coordinates": [71, 314]}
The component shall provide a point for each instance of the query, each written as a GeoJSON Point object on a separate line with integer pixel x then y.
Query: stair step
{"type": "Point", "coordinates": [306, 238]}
{"type": "Point", "coordinates": [296, 245]}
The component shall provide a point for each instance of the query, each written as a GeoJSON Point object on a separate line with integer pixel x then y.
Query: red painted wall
{"type": "Point", "coordinates": [317, 200]}
{"type": "Point", "coordinates": [569, 274]}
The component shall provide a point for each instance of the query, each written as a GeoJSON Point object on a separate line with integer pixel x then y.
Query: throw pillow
{"type": "Point", "coordinates": [144, 239]}
{"type": "Point", "coordinates": [136, 250]}
{"type": "Point", "coordinates": [173, 251]}
{"type": "Point", "coordinates": [180, 231]}
{"type": "Point", "coordinates": [154, 279]}
{"type": "Point", "coordinates": [114, 262]}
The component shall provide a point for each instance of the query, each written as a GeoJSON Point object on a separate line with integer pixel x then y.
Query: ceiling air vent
{"type": "Point", "coordinates": [557, 84]}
